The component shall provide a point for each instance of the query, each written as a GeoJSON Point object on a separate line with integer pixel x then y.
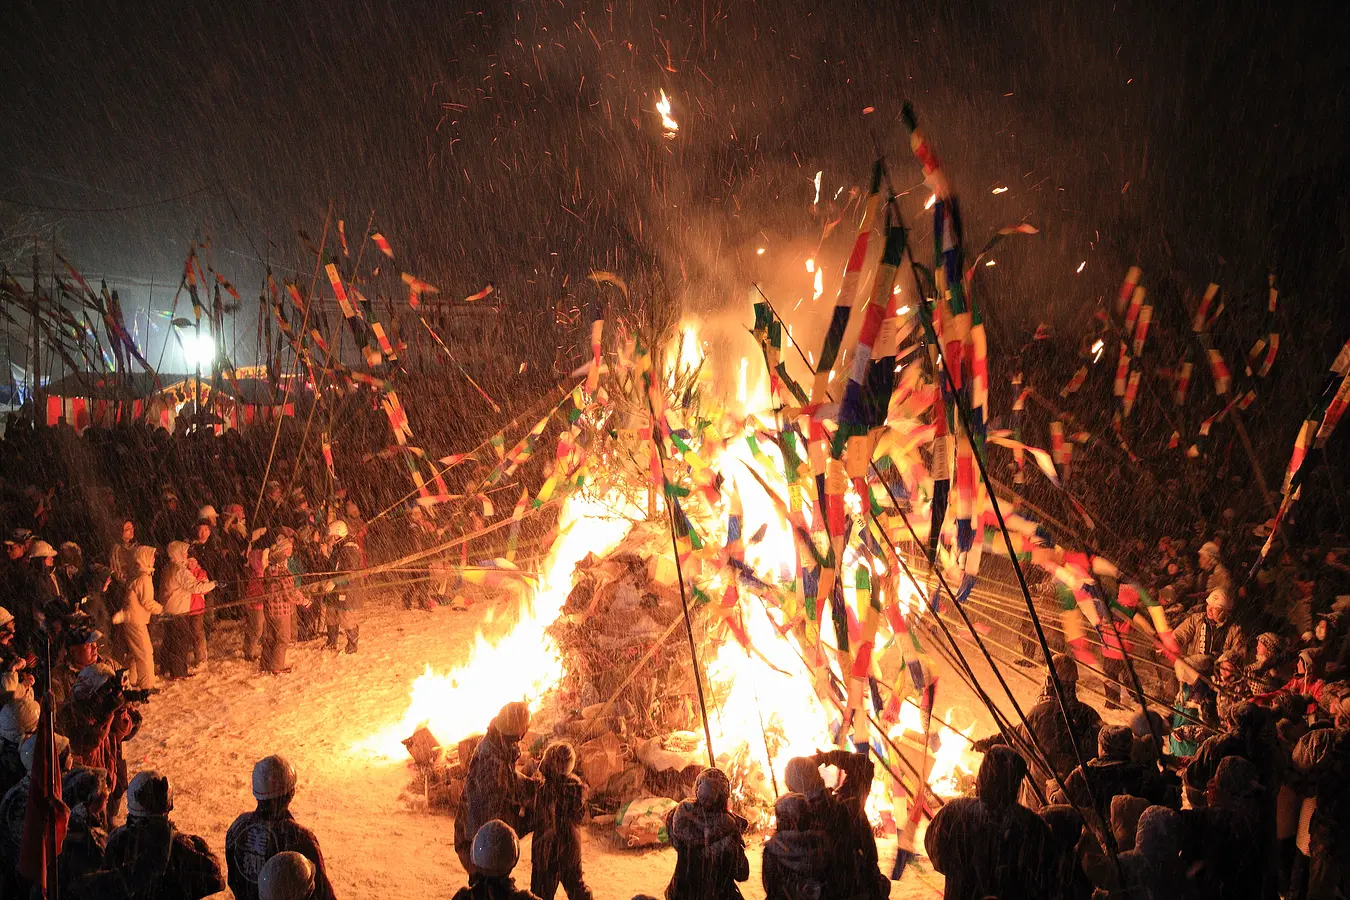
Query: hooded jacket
{"type": "Point", "coordinates": [1225, 844]}
{"type": "Point", "coordinates": [140, 603]}
{"type": "Point", "coordinates": [990, 845]}
{"type": "Point", "coordinates": [493, 789]}
{"type": "Point", "coordinates": [1153, 870]}
{"type": "Point", "coordinates": [797, 865]}
{"type": "Point", "coordinates": [176, 582]}
{"type": "Point", "coordinates": [710, 853]}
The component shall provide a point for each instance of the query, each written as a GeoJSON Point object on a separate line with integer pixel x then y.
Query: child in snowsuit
{"type": "Point", "coordinates": [556, 858]}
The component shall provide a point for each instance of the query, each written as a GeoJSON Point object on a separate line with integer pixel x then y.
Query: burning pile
{"type": "Point", "coordinates": [782, 526]}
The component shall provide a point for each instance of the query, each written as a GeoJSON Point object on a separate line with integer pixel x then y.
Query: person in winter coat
{"type": "Point", "coordinates": [256, 837]}
{"type": "Point", "coordinates": [1211, 632]}
{"type": "Point", "coordinates": [1216, 574]}
{"type": "Point", "coordinates": [1307, 764]}
{"type": "Point", "coordinates": [558, 810]}
{"type": "Point", "coordinates": [1153, 870]}
{"type": "Point", "coordinates": [988, 845]}
{"type": "Point", "coordinates": [493, 788]}
{"type": "Point", "coordinates": [1092, 785]}
{"type": "Point", "coordinates": [52, 601]}
{"type": "Point", "coordinates": [133, 620]}
{"type": "Point", "coordinates": [198, 613]}
{"type": "Point", "coordinates": [1329, 823]}
{"type": "Point", "coordinates": [343, 600]}
{"type": "Point", "coordinates": [122, 558]}
{"type": "Point", "coordinates": [1306, 686]}
{"type": "Point", "coordinates": [1271, 667]}
{"type": "Point", "coordinates": [280, 598]}
{"type": "Point", "coordinates": [1231, 686]}
{"type": "Point", "coordinates": [81, 650]}
{"type": "Point", "coordinates": [85, 791]}
{"type": "Point", "coordinates": [709, 842]}
{"type": "Point", "coordinates": [1223, 843]}
{"type": "Point", "coordinates": [842, 814]}
{"type": "Point", "coordinates": [1066, 878]}
{"type": "Point", "coordinates": [148, 857]}
{"type": "Point", "coordinates": [495, 851]}
{"type": "Point", "coordinates": [18, 720]}
{"type": "Point", "coordinates": [797, 859]}
{"type": "Point", "coordinates": [1045, 722]}
{"type": "Point", "coordinates": [1253, 738]}
{"type": "Point", "coordinates": [13, 808]}
{"type": "Point", "coordinates": [177, 584]}
{"type": "Point", "coordinates": [98, 719]}
{"type": "Point", "coordinates": [252, 595]}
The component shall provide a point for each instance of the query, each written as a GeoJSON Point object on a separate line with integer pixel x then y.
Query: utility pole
{"type": "Point", "coordinates": [39, 400]}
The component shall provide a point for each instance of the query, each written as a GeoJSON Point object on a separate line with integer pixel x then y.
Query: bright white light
{"type": "Point", "coordinates": [904, 310]}
{"type": "Point", "coordinates": [1097, 349]}
{"type": "Point", "coordinates": [931, 201]}
{"type": "Point", "coordinates": [990, 263]}
{"type": "Point", "coordinates": [1081, 266]}
{"type": "Point", "coordinates": [1000, 190]}
{"type": "Point", "coordinates": [817, 183]}
{"type": "Point", "coordinates": [198, 349]}
{"type": "Point", "coordinates": [810, 265]}
{"type": "Point", "coordinates": [759, 252]}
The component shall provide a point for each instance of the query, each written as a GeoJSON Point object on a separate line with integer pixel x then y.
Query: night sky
{"type": "Point", "coordinates": [517, 142]}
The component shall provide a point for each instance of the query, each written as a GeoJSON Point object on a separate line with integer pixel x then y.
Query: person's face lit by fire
{"type": "Point", "coordinates": [14, 550]}
{"type": "Point", "coordinates": [128, 532]}
{"type": "Point", "coordinates": [1207, 562]}
{"type": "Point", "coordinates": [203, 533]}
{"type": "Point", "coordinates": [85, 654]}
{"type": "Point", "coordinates": [1216, 613]}
{"type": "Point", "coordinates": [1227, 670]}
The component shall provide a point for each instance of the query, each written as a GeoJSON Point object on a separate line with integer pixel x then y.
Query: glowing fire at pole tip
{"type": "Point", "coordinates": [668, 125]}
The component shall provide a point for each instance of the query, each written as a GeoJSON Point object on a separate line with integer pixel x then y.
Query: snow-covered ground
{"type": "Point", "coordinates": [378, 840]}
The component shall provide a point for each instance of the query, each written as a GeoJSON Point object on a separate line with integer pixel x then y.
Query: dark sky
{"type": "Point", "coordinates": [517, 142]}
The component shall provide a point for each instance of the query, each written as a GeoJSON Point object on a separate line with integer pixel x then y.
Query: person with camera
{"type": "Point", "coordinates": [99, 716]}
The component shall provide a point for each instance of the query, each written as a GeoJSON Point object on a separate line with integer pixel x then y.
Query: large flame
{"type": "Point", "coordinates": [766, 705]}
{"type": "Point", "coordinates": [523, 665]}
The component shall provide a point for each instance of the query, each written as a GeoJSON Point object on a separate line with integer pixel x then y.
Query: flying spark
{"type": "Point", "coordinates": [1097, 349]}
{"type": "Point", "coordinates": [667, 123]}
{"type": "Point", "coordinates": [817, 181]}
{"type": "Point", "coordinates": [759, 252]}
{"type": "Point", "coordinates": [989, 262]}
{"type": "Point", "coordinates": [904, 310]}
{"type": "Point", "coordinates": [1081, 266]}
{"type": "Point", "coordinates": [811, 265]}
{"type": "Point", "coordinates": [820, 284]}
{"type": "Point", "coordinates": [1000, 190]}
{"type": "Point", "coordinates": [931, 201]}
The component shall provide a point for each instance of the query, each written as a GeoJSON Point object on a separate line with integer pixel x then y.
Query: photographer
{"type": "Point", "coordinates": [100, 714]}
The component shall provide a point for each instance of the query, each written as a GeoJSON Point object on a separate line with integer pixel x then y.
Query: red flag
{"type": "Point", "coordinates": [44, 823]}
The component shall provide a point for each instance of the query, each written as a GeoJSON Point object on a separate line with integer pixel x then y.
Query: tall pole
{"type": "Point", "coordinates": [39, 400]}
